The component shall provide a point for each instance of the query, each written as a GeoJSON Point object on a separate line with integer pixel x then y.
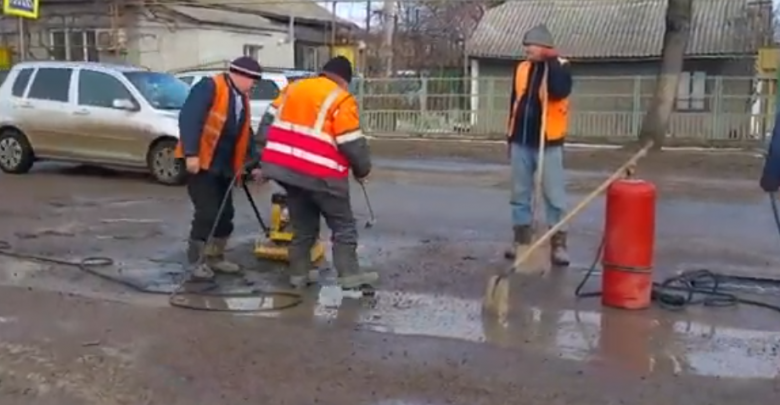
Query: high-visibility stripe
{"type": "Point", "coordinates": [308, 149]}
{"type": "Point", "coordinates": [305, 155]}
{"type": "Point", "coordinates": [349, 137]}
{"type": "Point", "coordinates": [304, 130]}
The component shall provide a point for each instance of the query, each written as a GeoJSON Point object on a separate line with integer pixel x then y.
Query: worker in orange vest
{"type": "Point", "coordinates": [215, 141]}
{"type": "Point", "coordinates": [533, 101]}
{"type": "Point", "coordinates": [310, 139]}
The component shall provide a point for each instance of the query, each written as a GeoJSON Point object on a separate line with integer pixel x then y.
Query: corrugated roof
{"type": "Point", "coordinates": [296, 8]}
{"type": "Point", "coordinates": [614, 28]}
{"type": "Point", "coordinates": [227, 17]}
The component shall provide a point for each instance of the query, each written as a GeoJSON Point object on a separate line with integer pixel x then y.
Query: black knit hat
{"type": "Point", "coordinates": [339, 66]}
{"type": "Point", "coordinates": [246, 66]}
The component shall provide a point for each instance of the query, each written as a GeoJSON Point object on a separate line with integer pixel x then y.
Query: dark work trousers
{"type": "Point", "coordinates": [305, 208]}
{"type": "Point", "coordinates": [207, 190]}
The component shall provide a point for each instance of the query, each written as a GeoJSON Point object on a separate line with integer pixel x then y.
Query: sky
{"type": "Point", "coordinates": [354, 11]}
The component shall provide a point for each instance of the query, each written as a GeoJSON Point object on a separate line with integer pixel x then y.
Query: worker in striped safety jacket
{"type": "Point", "coordinates": [310, 139]}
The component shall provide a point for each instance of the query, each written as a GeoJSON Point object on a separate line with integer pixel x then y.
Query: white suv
{"type": "Point", "coordinates": [264, 92]}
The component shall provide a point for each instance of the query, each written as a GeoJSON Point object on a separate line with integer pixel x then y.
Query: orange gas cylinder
{"type": "Point", "coordinates": [629, 242]}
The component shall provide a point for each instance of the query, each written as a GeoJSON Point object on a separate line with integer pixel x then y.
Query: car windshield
{"type": "Point", "coordinates": [161, 90]}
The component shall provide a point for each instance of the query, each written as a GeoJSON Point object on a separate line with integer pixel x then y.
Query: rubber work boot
{"type": "Point", "coordinates": [350, 275]}
{"type": "Point", "coordinates": [303, 281]}
{"type": "Point", "coordinates": [215, 257]}
{"type": "Point", "coordinates": [300, 268]}
{"type": "Point", "coordinates": [522, 239]}
{"type": "Point", "coordinates": [197, 269]}
{"type": "Point", "coordinates": [559, 255]}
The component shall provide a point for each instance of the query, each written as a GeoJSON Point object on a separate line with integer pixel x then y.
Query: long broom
{"type": "Point", "coordinates": [538, 194]}
{"type": "Point", "coordinates": [496, 299]}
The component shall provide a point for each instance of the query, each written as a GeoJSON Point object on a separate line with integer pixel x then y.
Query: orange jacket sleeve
{"type": "Point", "coordinates": [268, 118]}
{"type": "Point", "coordinates": [349, 137]}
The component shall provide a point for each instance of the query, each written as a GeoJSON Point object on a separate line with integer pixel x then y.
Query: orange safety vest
{"type": "Point", "coordinates": [556, 111]}
{"type": "Point", "coordinates": [215, 122]}
{"type": "Point", "coordinates": [305, 134]}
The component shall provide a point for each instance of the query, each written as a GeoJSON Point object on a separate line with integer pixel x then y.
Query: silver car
{"type": "Point", "coordinates": [91, 113]}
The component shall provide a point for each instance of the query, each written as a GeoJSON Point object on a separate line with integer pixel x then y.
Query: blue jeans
{"type": "Point", "coordinates": [524, 164]}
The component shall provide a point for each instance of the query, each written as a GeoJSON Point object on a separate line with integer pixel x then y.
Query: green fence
{"type": "Point", "coordinates": [717, 108]}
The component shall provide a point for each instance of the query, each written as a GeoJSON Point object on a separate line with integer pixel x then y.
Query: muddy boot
{"type": "Point", "coordinates": [300, 267]}
{"type": "Point", "coordinates": [197, 270]}
{"type": "Point", "coordinates": [559, 255]}
{"type": "Point", "coordinates": [522, 239]}
{"type": "Point", "coordinates": [215, 258]}
{"type": "Point", "coordinates": [351, 276]}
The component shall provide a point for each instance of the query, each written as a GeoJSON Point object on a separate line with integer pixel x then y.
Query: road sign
{"type": "Point", "coordinates": [21, 8]}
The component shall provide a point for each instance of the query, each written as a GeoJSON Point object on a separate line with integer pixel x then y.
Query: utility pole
{"type": "Point", "coordinates": [389, 31]}
{"type": "Point", "coordinates": [333, 28]}
{"type": "Point", "coordinates": [368, 16]}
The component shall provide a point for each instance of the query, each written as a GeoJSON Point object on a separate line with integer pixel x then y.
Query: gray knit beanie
{"type": "Point", "coordinates": [540, 36]}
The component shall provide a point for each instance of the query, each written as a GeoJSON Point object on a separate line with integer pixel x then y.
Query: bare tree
{"type": "Point", "coordinates": [431, 33]}
{"type": "Point", "coordinates": [676, 34]}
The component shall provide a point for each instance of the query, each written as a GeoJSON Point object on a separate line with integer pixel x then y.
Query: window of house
{"type": "Point", "coordinates": [692, 91]}
{"type": "Point", "coordinates": [20, 85]}
{"type": "Point", "coordinates": [74, 45]}
{"type": "Point", "coordinates": [51, 84]}
{"type": "Point", "coordinates": [253, 51]}
{"type": "Point", "coordinates": [98, 89]}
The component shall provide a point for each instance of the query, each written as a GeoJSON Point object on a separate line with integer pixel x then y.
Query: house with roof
{"type": "Point", "coordinates": [179, 34]}
{"type": "Point", "coordinates": [614, 47]}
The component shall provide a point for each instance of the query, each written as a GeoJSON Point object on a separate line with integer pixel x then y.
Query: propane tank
{"type": "Point", "coordinates": [629, 243]}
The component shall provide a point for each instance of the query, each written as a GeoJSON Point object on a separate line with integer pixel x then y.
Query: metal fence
{"type": "Point", "coordinates": [713, 109]}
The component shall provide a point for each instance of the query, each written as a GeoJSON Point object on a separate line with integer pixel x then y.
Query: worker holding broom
{"type": "Point", "coordinates": [216, 144]}
{"type": "Point", "coordinates": [537, 121]}
{"type": "Point", "coordinates": [310, 139]}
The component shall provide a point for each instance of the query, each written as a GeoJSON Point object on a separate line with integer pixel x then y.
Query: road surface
{"type": "Point", "coordinates": [68, 338]}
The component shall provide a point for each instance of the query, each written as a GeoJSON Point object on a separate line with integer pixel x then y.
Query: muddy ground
{"type": "Point", "coordinates": [69, 338]}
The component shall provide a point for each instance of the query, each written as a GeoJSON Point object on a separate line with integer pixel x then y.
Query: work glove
{"type": "Point", "coordinates": [252, 172]}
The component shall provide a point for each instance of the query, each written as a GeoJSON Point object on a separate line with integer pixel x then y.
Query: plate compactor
{"type": "Point", "coordinates": [275, 242]}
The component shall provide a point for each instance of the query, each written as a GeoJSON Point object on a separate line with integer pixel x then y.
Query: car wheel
{"type": "Point", "coordinates": [164, 165]}
{"type": "Point", "coordinates": [16, 154]}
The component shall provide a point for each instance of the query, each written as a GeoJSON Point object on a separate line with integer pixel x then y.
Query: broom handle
{"type": "Point", "coordinates": [581, 205]}
{"type": "Point", "coordinates": [539, 175]}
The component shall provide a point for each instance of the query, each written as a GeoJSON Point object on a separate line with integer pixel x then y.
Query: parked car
{"type": "Point", "coordinates": [91, 113]}
{"type": "Point", "coordinates": [264, 92]}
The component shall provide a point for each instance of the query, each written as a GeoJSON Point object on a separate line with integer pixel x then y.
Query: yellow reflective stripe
{"type": "Point", "coordinates": [325, 107]}
{"type": "Point", "coordinates": [349, 137]}
{"type": "Point", "coordinates": [305, 155]}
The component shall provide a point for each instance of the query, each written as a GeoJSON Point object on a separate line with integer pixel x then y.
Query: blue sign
{"type": "Point", "coordinates": [21, 8]}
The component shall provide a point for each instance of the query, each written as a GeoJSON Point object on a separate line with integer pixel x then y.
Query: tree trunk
{"type": "Point", "coordinates": [678, 29]}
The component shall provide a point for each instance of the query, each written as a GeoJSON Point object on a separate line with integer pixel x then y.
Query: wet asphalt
{"type": "Point", "coordinates": [70, 338]}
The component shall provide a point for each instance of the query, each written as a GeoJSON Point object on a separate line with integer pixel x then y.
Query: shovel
{"type": "Point", "coordinates": [496, 299]}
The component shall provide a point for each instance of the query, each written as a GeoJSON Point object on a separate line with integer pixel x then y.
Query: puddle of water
{"type": "Point", "coordinates": [642, 342]}
{"type": "Point", "coordinates": [267, 302]}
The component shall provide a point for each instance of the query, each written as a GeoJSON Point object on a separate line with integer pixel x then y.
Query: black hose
{"type": "Point", "coordinates": [181, 299]}
{"type": "Point", "coordinates": [178, 298]}
{"type": "Point", "coordinates": [690, 287]}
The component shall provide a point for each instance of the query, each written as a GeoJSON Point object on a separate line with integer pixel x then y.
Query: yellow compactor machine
{"type": "Point", "coordinates": [275, 242]}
